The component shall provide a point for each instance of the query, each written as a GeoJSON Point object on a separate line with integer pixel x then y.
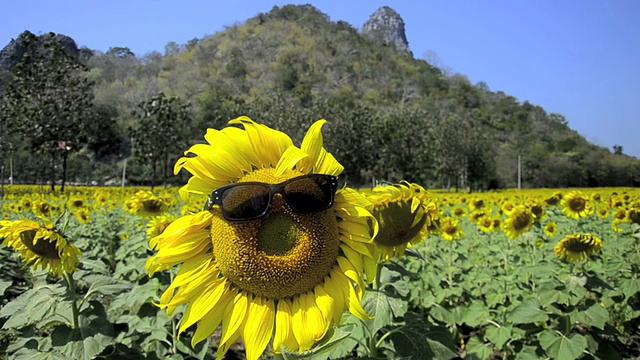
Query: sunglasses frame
{"type": "Point", "coordinates": [216, 195]}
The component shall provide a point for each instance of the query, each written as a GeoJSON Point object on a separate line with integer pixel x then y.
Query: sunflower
{"type": "Point", "coordinates": [283, 277]}
{"type": "Point", "coordinates": [40, 245]}
{"type": "Point", "coordinates": [450, 230]}
{"type": "Point", "coordinates": [41, 207]}
{"type": "Point", "coordinates": [507, 207]}
{"type": "Point", "coordinates": [158, 224]}
{"type": "Point", "coordinates": [485, 224]}
{"type": "Point", "coordinates": [633, 216]}
{"type": "Point", "coordinates": [553, 199]}
{"type": "Point", "coordinates": [550, 228]}
{"type": "Point", "coordinates": [76, 202]}
{"type": "Point", "coordinates": [146, 204]}
{"type": "Point", "coordinates": [404, 216]}
{"type": "Point", "coordinates": [603, 211]}
{"type": "Point", "coordinates": [620, 214]}
{"type": "Point", "coordinates": [83, 216]}
{"type": "Point", "coordinates": [476, 215]}
{"type": "Point", "coordinates": [576, 205]}
{"type": "Point", "coordinates": [459, 211]}
{"type": "Point", "coordinates": [537, 208]}
{"type": "Point", "coordinates": [575, 247]}
{"type": "Point", "coordinates": [520, 220]}
{"type": "Point", "coordinates": [477, 204]}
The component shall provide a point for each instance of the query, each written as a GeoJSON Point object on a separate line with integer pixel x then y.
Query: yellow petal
{"type": "Point", "coordinates": [354, 257]}
{"type": "Point", "coordinates": [267, 142]}
{"type": "Point", "coordinates": [326, 305]}
{"type": "Point", "coordinates": [353, 300]}
{"type": "Point", "coordinates": [209, 323]}
{"type": "Point", "coordinates": [352, 273]}
{"type": "Point", "coordinates": [289, 159]}
{"type": "Point", "coordinates": [320, 161]}
{"type": "Point", "coordinates": [234, 316]}
{"type": "Point", "coordinates": [332, 288]}
{"type": "Point", "coordinates": [203, 304]}
{"type": "Point", "coordinates": [258, 327]}
{"type": "Point", "coordinates": [303, 325]}
{"type": "Point", "coordinates": [283, 333]}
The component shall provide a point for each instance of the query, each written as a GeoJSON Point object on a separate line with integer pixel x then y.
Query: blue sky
{"type": "Point", "coordinates": [579, 58]}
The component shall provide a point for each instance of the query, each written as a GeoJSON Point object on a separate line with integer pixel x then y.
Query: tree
{"type": "Point", "coordinates": [50, 99]}
{"type": "Point", "coordinates": [160, 131]}
{"type": "Point", "coordinates": [617, 149]}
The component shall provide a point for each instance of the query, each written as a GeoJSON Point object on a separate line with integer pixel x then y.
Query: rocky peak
{"type": "Point", "coordinates": [386, 26]}
{"type": "Point", "coordinates": [11, 54]}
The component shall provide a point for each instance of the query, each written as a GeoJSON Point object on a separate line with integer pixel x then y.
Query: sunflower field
{"type": "Point", "coordinates": [396, 271]}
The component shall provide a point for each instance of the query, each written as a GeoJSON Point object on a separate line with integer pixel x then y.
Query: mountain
{"type": "Point", "coordinates": [391, 116]}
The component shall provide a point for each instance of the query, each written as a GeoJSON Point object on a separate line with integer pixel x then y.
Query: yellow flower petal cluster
{"type": "Point", "coordinates": [519, 221]}
{"type": "Point", "coordinates": [576, 205]}
{"type": "Point", "coordinates": [285, 278]}
{"type": "Point", "coordinates": [146, 204]}
{"type": "Point", "coordinates": [41, 246]}
{"type": "Point", "coordinates": [405, 214]}
{"type": "Point", "coordinates": [450, 229]}
{"type": "Point", "coordinates": [576, 247]}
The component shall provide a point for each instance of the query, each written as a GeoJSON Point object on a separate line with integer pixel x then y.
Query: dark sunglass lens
{"type": "Point", "coordinates": [309, 194]}
{"type": "Point", "coordinates": [244, 202]}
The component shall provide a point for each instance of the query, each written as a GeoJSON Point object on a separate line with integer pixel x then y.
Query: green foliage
{"type": "Point", "coordinates": [49, 98]}
{"type": "Point", "coordinates": [391, 116]}
{"type": "Point", "coordinates": [160, 132]}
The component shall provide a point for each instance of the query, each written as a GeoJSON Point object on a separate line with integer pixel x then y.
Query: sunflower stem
{"type": "Point", "coordinates": [376, 283]}
{"type": "Point", "coordinates": [174, 325]}
{"type": "Point", "coordinates": [71, 288]}
{"type": "Point", "coordinates": [373, 346]}
{"type": "Point", "coordinates": [450, 265]}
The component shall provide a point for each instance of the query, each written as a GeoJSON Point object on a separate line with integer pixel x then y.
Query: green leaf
{"type": "Point", "coordinates": [331, 341]}
{"type": "Point", "coordinates": [630, 286]}
{"type": "Point", "coordinates": [561, 347]}
{"type": "Point", "coordinates": [498, 335]}
{"type": "Point", "coordinates": [494, 298]}
{"type": "Point", "coordinates": [42, 304]}
{"type": "Point", "coordinates": [383, 308]}
{"type": "Point", "coordinates": [476, 347]}
{"type": "Point", "coordinates": [83, 342]}
{"type": "Point", "coordinates": [595, 315]}
{"type": "Point", "coordinates": [130, 302]}
{"type": "Point", "coordinates": [106, 285]}
{"type": "Point", "coordinates": [529, 353]}
{"type": "Point", "coordinates": [441, 314]}
{"type": "Point", "coordinates": [416, 342]}
{"type": "Point", "coordinates": [357, 330]}
{"type": "Point", "coordinates": [476, 314]}
{"type": "Point", "coordinates": [32, 354]}
{"type": "Point", "coordinates": [4, 285]}
{"type": "Point", "coordinates": [528, 311]}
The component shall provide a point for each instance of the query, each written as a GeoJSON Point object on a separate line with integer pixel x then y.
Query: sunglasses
{"type": "Point", "coordinates": [251, 200]}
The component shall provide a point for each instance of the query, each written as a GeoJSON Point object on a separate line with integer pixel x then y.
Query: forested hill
{"type": "Point", "coordinates": [391, 116]}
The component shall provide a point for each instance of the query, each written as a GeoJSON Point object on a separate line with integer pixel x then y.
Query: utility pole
{"type": "Point", "coordinates": [519, 173]}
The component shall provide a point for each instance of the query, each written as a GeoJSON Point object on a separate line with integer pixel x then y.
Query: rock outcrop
{"type": "Point", "coordinates": [11, 54]}
{"type": "Point", "coordinates": [386, 26]}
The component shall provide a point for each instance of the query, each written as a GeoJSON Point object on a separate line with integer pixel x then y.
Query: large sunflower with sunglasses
{"type": "Point", "coordinates": [277, 254]}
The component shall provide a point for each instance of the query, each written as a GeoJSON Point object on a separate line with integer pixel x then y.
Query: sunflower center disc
{"type": "Point", "coordinates": [396, 220]}
{"type": "Point", "coordinates": [42, 248]}
{"type": "Point", "coordinates": [283, 230]}
{"type": "Point", "coordinates": [577, 204]}
{"type": "Point", "coordinates": [521, 221]}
